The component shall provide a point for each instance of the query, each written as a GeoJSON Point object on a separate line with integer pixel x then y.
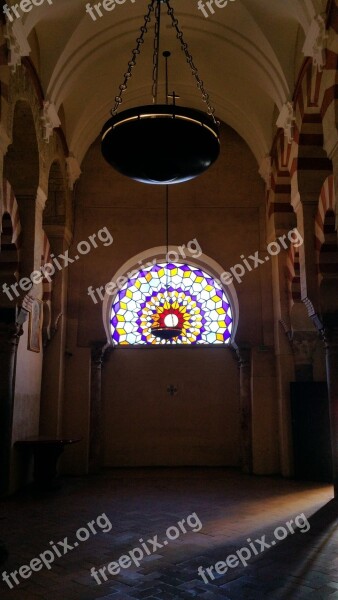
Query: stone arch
{"type": "Point", "coordinates": [329, 102]}
{"type": "Point", "coordinates": [56, 204]}
{"type": "Point", "coordinates": [310, 168]}
{"type": "Point", "coordinates": [328, 257]}
{"type": "Point", "coordinates": [203, 261]}
{"type": "Point", "coordinates": [327, 202]}
{"type": "Point", "coordinates": [280, 212]}
{"type": "Point", "coordinates": [56, 221]}
{"type": "Point", "coordinates": [21, 164]}
{"type": "Point", "coordinates": [327, 248]}
{"type": "Point", "coordinates": [10, 229]}
{"type": "Point", "coordinates": [22, 170]}
{"type": "Point", "coordinates": [293, 277]}
{"type": "Point", "coordinates": [308, 153]}
{"type": "Point", "coordinates": [9, 259]}
{"type": "Point", "coordinates": [10, 206]}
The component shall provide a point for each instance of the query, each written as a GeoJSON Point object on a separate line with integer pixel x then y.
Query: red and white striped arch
{"type": "Point", "coordinates": [327, 201]}
{"type": "Point", "coordinates": [293, 276]}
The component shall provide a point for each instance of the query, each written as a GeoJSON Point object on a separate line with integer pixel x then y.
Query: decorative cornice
{"type": "Point", "coordinates": [50, 119]}
{"type": "Point", "coordinates": [17, 43]}
{"type": "Point", "coordinates": [286, 120]}
{"type": "Point", "coordinates": [41, 199]}
{"type": "Point", "coordinates": [265, 171]}
{"type": "Point", "coordinates": [304, 344]}
{"type": "Point", "coordinates": [98, 350]}
{"type": "Point", "coordinates": [315, 42]}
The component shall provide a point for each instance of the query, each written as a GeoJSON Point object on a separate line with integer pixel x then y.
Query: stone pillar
{"type": "Point", "coordinates": [95, 435]}
{"type": "Point", "coordinates": [265, 447]}
{"type": "Point", "coordinates": [306, 207]}
{"type": "Point", "coordinates": [54, 337]}
{"type": "Point", "coordinates": [283, 352]}
{"type": "Point", "coordinates": [244, 357]}
{"type": "Point", "coordinates": [304, 344]}
{"type": "Point", "coordinates": [9, 339]}
{"type": "Point", "coordinates": [330, 335]}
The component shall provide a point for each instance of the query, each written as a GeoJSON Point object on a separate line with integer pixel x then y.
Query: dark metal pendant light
{"type": "Point", "coordinates": [161, 143]}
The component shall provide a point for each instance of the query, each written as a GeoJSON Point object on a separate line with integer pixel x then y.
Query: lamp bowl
{"type": "Point", "coordinates": [166, 333]}
{"type": "Point", "coordinates": [160, 144]}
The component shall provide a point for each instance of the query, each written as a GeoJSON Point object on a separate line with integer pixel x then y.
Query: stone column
{"type": "Point", "coordinates": [54, 337]}
{"type": "Point", "coordinates": [330, 336]}
{"type": "Point", "coordinates": [95, 436]}
{"type": "Point", "coordinates": [244, 357]}
{"type": "Point", "coordinates": [9, 339]}
{"type": "Point", "coordinates": [306, 207]}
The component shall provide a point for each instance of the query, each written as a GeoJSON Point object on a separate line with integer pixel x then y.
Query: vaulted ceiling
{"type": "Point", "coordinates": [248, 53]}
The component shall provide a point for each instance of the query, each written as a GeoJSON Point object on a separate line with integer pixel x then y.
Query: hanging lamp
{"type": "Point", "coordinates": [161, 143]}
{"type": "Point", "coordinates": [170, 321]}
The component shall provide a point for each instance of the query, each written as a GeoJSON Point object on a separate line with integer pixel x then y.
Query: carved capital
{"type": "Point", "coordinates": [315, 42]}
{"type": "Point", "coordinates": [17, 43]}
{"type": "Point", "coordinates": [50, 119]}
{"type": "Point", "coordinates": [304, 344]}
{"type": "Point", "coordinates": [244, 355]}
{"type": "Point", "coordinates": [265, 171]}
{"type": "Point", "coordinates": [41, 199]}
{"type": "Point", "coordinates": [286, 120]}
{"type": "Point", "coordinates": [98, 350]}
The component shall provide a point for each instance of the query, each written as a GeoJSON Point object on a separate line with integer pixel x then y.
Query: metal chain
{"type": "Point", "coordinates": [184, 46]}
{"type": "Point", "coordinates": [156, 50]}
{"type": "Point", "coordinates": [132, 62]}
{"type": "Point", "coordinates": [137, 51]}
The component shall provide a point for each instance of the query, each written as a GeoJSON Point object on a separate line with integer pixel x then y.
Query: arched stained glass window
{"type": "Point", "coordinates": [193, 300]}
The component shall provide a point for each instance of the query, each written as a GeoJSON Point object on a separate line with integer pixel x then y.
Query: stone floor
{"type": "Point", "coordinates": [142, 503]}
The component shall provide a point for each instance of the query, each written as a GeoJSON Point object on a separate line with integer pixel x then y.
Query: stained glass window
{"type": "Point", "coordinates": [171, 294]}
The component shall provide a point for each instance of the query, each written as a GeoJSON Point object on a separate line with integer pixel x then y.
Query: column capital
{"type": "Point", "coordinates": [41, 199]}
{"type": "Point", "coordinates": [17, 43]}
{"type": "Point", "coordinates": [304, 344]}
{"type": "Point", "coordinates": [315, 42]}
{"type": "Point", "coordinates": [50, 119]}
{"type": "Point", "coordinates": [243, 353]}
{"type": "Point", "coordinates": [97, 352]}
{"type": "Point", "coordinates": [265, 171]}
{"type": "Point", "coordinates": [286, 120]}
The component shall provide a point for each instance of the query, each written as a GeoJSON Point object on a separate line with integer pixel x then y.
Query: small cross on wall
{"type": "Point", "coordinates": [172, 390]}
